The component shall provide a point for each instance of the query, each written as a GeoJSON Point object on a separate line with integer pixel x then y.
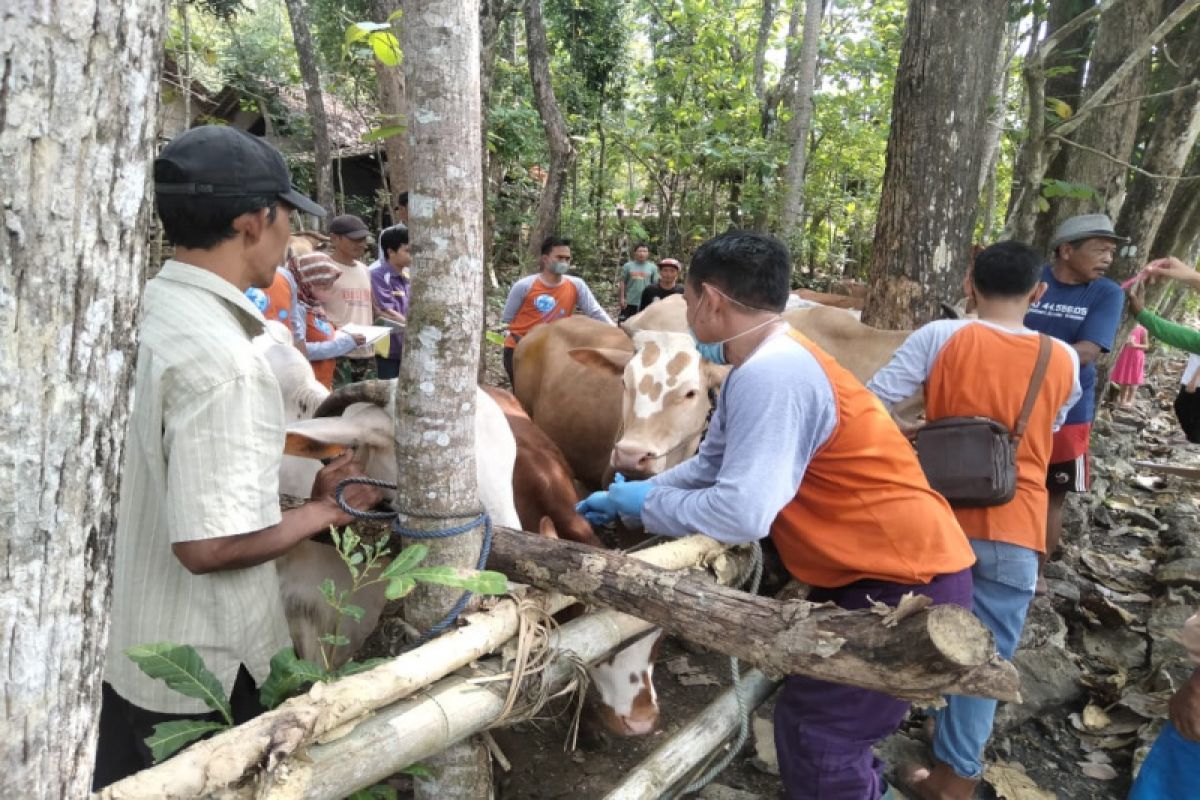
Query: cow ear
{"type": "Point", "coordinates": [546, 528]}
{"type": "Point", "coordinates": [298, 444]}
{"type": "Point", "coordinates": [713, 375]}
{"type": "Point", "coordinates": [605, 359]}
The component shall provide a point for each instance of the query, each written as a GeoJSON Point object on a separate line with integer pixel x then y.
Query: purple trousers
{"type": "Point", "coordinates": [824, 731]}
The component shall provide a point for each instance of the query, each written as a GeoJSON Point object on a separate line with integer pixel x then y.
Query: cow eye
{"type": "Point", "coordinates": [690, 394]}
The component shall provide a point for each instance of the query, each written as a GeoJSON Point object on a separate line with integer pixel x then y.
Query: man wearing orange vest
{"type": "Point", "coordinates": [983, 368]}
{"type": "Point", "coordinates": [846, 503]}
{"type": "Point", "coordinates": [545, 296]}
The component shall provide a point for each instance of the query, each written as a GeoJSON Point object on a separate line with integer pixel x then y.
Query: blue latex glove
{"type": "Point", "coordinates": [597, 508]}
{"type": "Point", "coordinates": [628, 497]}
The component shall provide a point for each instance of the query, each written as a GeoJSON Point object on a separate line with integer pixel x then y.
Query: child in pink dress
{"type": "Point", "coordinates": [1130, 370]}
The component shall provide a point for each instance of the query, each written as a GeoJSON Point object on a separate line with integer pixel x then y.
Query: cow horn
{"type": "Point", "coordinates": [376, 392]}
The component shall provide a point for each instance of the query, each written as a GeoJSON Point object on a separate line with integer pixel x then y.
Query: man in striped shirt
{"type": "Point", "coordinates": [199, 522]}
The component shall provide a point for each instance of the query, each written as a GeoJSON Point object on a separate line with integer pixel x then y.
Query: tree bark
{"type": "Point", "coordinates": [393, 109]}
{"type": "Point", "coordinates": [562, 152]}
{"type": "Point", "coordinates": [766, 22]}
{"type": "Point", "coordinates": [314, 99]}
{"type": "Point", "coordinates": [1175, 130]}
{"type": "Point", "coordinates": [1179, 231]}
{"type": "Point", "coordinates": [930, 187]}
{"type": "Point", "coordinates": [1111, 130]}
{"type": "Point", "coordinates": [942, 650]}
{"type": "Point", "coordinates": [800, 125]}
{"type": "Point", "coordinates": [434, 427]}
{"type": "Point", "coordinates": [79, 87]}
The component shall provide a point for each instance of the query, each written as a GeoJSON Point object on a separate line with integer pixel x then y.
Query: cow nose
{"type": "Point", "coordinates": [640, 724]}
{"type": "Point", "coordinates": [633, 457]}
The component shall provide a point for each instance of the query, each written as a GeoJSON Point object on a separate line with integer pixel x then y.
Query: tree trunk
{"type": "Point", "coordinates": [931, 182]}
{"type": "Point", "coordinates": [314, 100]}
{"type": "Point", "coordinates": [801, 123]}
{"type": "Point", "coordinates": [434, 429]}
{"type": "Point", "coordinates": [393, 108]}
{"type": "Point", "coordinates": [1175, 130]}
{"type": "Point", "coordinates": [942, 650]}
{"type": "Point", "coordinates": [1111, 130]}
{"type": "Point", "coordinates": [79, 86]}
{"type": "Point", "coordinates": [766, 22]}
{"type": "Point", "coordinates": [562, 153]}
{"type": "Point", "coordinates": [1179, 231]}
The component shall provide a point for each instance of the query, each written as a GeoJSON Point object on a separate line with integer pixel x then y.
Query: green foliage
{"type": "Point", "coordinates": [182, 669]}
{"type": "Point", "coordinates": [289, 675]}
{"type": "Point", "coordinates": [169, 737]}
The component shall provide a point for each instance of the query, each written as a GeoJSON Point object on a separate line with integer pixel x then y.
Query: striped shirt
{"type": "Point", "coordinates": [202, 457]}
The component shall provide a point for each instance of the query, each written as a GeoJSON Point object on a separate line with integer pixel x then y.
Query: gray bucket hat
{"type": "Point", "coordinates": [1086, 226]}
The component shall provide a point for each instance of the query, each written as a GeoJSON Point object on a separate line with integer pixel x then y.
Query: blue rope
{"type": "Point", "coordinates": [411, 533]}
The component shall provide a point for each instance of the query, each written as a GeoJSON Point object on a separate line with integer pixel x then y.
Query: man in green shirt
{"type": "Point", "coordinates": [636, 275]}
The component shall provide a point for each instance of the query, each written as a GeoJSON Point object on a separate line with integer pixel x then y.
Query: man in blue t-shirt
{"type": "Point", "coordinates": [1083, 308]}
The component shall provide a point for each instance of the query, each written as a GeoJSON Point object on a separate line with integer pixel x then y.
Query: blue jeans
{"type": "Point", "coordinates": [1004, 576]}
{"type": "Point", "coordinates": [1171, 771]}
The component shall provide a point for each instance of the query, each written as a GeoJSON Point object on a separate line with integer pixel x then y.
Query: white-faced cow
{"type": "Point", "coordinates": [523, 482]}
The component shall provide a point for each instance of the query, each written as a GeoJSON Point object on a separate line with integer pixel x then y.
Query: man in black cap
{"type": "Point", "coordinates": [1083, 308]}
{"type": "Point", "coordinates": [348, 300]}
{"type": "Point", "coordinates": [199, 524]}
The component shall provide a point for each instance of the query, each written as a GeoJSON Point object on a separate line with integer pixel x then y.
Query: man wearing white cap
{"type": "Point", "coordinates": [1083, 308]}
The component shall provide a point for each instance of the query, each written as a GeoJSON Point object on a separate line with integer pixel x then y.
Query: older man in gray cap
{"type": "Point", "coordinates": [1083, 308]}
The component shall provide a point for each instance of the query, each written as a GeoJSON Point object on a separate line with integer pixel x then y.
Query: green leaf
{"type": "Point", "coordinates": [181, 668]}
{"type": "Point", "coordinates": [355, 667]}
{"type": "Point", "coordinates": [361, 30]}
{"type": "Point", "coordinates": [329, 591]}
{"type": "Point", "coordinates": [354, 612]}
{"type": "Point", "coordinates": [408, 558]}
{"type": "Point", "coordinates": [478, 581]}
{"type": "Point", "coordinates": [169, 737]}
{"type": "Point", "coordinates": [386, 48]}
{"type": "Point", "coordinates": [395, 15]}
{"type": "Point", "coordinates": [289, 674]}
{"type": "Point", "coordinates": [384, 132]}
{"type": "Point", "coordinates": [417, 771]}
{"type": "Point", "coordinates": [335, 639]}
{"type": "Point", "coordinates": [495, 337]}
{"type": "Point", "coordinates": [399, 587]}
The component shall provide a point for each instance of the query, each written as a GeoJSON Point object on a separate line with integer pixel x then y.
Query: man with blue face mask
{"type": "Point", "coordinates": [546, 296]}
{"type": "Point", "coordinates": [800, 451]}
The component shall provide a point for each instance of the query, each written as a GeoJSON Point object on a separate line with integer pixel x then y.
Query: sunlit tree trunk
{"type": "Point", "coordinates": [931, 182]}
{"type": "Point", "coordinates": [562, 152]}
{"type": "Point", "coordinates": [79, 86]}
{"type": "Point", "coordinates": [314, 100]}
{"type": "Point", "coordinates": [1106, 142]}
{"type": "Point", "coordinates": [392, 107]}
{"type": "Point", "coordinates": [792, 213]}
{"type": "Point", "coordinates": [435, 401]}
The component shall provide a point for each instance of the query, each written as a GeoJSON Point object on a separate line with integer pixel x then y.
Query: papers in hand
{"type": "Point", "coordinates": [372, 333]}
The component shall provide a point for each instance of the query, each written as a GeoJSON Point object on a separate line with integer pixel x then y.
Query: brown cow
{"type": "Point", "coordinates": [543, 486]}
{"type": "Point", "coordinates": [857, 347]}
{"type": "Point", "coordinates": [831, 300]}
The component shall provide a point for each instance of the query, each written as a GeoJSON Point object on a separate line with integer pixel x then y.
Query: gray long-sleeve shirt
{"type": "Point", "coordinates": [774, 413]}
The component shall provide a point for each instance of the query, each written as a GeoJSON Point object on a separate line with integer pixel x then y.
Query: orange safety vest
{"type": "Point", "coordinates": [279, 300]}
{"type": "Point", "coordinates": [864, 510]}
{"type": "Point", "coordinates": [985, 372]}
{"type": "Point", "coordinates": [542, 304]}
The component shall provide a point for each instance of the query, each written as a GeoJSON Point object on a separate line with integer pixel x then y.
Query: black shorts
{"type": "Point", "coordinates": [1187, 411]}
{"type": "Point", "coordinates": [1070, 476]}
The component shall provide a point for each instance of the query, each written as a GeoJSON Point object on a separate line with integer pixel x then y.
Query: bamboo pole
{"type": "Point", "coordinates": [679, 756]}
{"type": "Point", "coordinates": [419, 727]}
{"type": "Point", "coordinates": [210, 767]}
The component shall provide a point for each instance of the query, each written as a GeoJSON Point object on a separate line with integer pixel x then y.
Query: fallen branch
{"type": "Point", "coordinates": [679, 756]}
{"type": "Point", "coordinates": [235, 757]}
{"type": "Point", "coordinates": [922, 656]}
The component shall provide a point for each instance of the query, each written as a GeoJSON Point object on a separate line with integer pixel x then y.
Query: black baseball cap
{"type": "Point", "coordinates": [350, 226]}
{"type": "Point", "coordinates": [219, 161]}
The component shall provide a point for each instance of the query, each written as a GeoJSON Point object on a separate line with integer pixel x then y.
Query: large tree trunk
{"type": "Point", "coordinates": [1175, 130]}
{"type": "Point", "coordinates": [435, 440]}
{"type": "Point", "coordinates": [393, 110]}
{"type": "Point", "coordinates": [562, 153]}
{"type": "Point", "coordinates": [78, 108]}
{"type": "Point", "coordinates": [792, 214]}
{"type": "Point", "coordinates": [314, 99]}
{"type": "Point", "coordinates": [1111, 130]}
{"type": "Point", "coordinates": [1179, 231]}
{"type": "Point", "coordinates": [930, 185]}
{"type": "Point", "coordinates": [919, 655]}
